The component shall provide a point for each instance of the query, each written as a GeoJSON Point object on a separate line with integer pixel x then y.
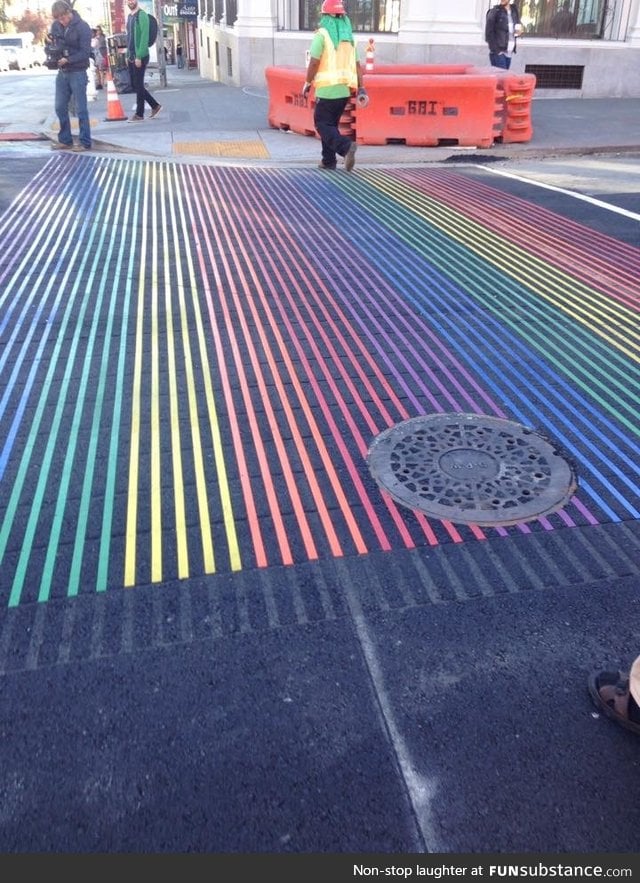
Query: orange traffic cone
{"type": "Point", "coordinates": [114, 108]}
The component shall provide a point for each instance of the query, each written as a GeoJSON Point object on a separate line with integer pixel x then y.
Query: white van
{"type": "Point", "coordinates": [19, 49]}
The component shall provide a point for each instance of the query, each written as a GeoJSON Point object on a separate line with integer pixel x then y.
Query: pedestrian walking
{"type": "Point", "coordinates": [179, 56]}
{"type": "Point", "coordinates": [335, 71]}
{"type": "Point", "coordinates": [617, 695]}
{"type": "Point", "coordinates": [70, 37]}
{"type": "Point", "coordinates": [502, 29]}
{"type": "Point", "coordinates": [138, 57]}
{"type": "Point", "coordinates": [99, 46]}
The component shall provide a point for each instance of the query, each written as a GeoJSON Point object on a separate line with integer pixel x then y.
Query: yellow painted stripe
{"type": "Point", "coordinates": [156, 464]}
{"type": "Point", "coordinates": [168, 252]}
{"type": "Point", "coordinates": [196, 441]}
{"type": "Point", "coordinates": [134, 447]}
{"type": "Point", "coordinates": [224, 490]}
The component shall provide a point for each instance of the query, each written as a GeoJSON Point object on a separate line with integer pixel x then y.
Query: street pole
{"type": "Point", "coordinates": [162, 58]}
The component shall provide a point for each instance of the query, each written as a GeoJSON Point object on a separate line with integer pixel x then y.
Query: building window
{"type": "Point", "coordinates": [232, 12]}
{"type": "Point", "coordinates": [218, 10]}
{"type": "Point", "coordinates": [571, 19]}
{"type": "Point", "coordinates": [373, 16]}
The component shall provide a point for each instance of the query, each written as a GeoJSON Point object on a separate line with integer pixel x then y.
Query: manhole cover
{"type": "Point", "coordinates": [471, 468]}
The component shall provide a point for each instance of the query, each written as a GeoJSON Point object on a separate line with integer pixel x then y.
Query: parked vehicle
{"type": "Point", "coordinates": [20, 49]}
{"type": "Point", "coordinates": [5, 60]}
{"type": "Point", "coordinates": [39, 55]}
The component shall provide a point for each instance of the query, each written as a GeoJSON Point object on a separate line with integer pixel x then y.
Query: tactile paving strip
{"type": "Point", "coordinates": [230, 149]}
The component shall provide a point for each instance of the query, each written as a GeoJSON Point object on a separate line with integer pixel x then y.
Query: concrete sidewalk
{"type": "Point", "coordinates": [208, 121]}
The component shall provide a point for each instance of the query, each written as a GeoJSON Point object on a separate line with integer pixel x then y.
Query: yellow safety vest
{"type": "Point", "coordinates": [337, 66]}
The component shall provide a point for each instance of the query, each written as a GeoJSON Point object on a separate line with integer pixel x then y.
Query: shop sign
{"type": "Point", "coordinates": [188, 9]}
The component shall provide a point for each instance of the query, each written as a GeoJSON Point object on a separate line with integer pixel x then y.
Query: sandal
{"type": "Point", "coordinates": [609, 691]}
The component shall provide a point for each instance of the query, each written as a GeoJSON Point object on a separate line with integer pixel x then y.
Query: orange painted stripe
{"type": "Point", "coordinates": [254, 424]}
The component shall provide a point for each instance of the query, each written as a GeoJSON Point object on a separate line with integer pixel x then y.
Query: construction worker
{"type": "Point", "coordinates": [335, 71]}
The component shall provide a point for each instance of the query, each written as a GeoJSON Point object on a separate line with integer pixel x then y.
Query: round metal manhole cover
{"type": "Point", "coordinates": [471, 468]}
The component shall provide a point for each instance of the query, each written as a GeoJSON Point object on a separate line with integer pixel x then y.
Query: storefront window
{"type": "Point", "coordinates": [577, 19]}
{"type": "Point", "coordinates": [375, 16]}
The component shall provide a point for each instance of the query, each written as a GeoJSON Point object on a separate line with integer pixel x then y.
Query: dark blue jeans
{"type": "Point", "coordinates": [326, 116]}
{"type": "Point", "coordinates": [499, 59]}
{"type": "Point", "coordinates": [68, 84]}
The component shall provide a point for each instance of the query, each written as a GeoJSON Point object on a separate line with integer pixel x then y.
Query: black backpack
{"type": "Point", "coordinates": [153, 29]}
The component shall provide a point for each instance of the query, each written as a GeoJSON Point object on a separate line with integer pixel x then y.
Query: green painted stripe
{"type": "Point", "coordinates": [119, 221]}
{"type": "Point", "coordinates": [72, 214]}
{"type": "Point", "coordinates": [84, 219]}
{"type": "Point", "coordinates": [103, 209]}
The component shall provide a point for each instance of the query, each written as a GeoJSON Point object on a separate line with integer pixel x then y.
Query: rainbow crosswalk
{"type": "Point", "coordinates": [195, 359]}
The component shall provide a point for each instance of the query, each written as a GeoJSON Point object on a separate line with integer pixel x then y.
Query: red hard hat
{"type": "Point", "coordinates": [333, 7]}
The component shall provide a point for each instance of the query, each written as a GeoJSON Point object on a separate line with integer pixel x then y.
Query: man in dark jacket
{"type": "Point", "coordinates": [502, 30]}
{"type": "Point", "coordinates": [72, 36]}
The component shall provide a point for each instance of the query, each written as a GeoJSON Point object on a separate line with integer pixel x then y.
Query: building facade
{"type": "Point", "coordinates": [576, 48]}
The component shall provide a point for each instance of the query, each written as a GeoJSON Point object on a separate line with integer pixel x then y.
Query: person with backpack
{"type": "Point", "coordinates": [139, 37]}
{"type": "Point", "coordinates": [502, 29]}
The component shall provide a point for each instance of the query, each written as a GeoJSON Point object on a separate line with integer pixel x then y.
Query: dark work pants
{"type": "Point", "coordinates": [137, 84]}
{"type": "Point", "coordinates": [326, 116]}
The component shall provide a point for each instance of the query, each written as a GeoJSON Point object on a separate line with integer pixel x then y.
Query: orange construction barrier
{"type": "Point", "coordinates": [114, 107]}
{"type": "Point", "coordinates": [425, 69]}
{"type": "Point", "coordinates": [513, 110]}
{"type": "Point", "coordinates": [514, 93]}
{"type": "Point", "coordinates": [418, 104]}
{"type": "Point", "coordinates": [368, 65]}
{"type": "Point", "coordinates": [427, 110]}
{"type": "Point", "coordinates": [289, 111]}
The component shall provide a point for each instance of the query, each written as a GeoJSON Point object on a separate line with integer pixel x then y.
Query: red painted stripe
{"type": "Point", "coordinates": [583, 252]}
{"type": "Point", "coordinates": [240, 303]}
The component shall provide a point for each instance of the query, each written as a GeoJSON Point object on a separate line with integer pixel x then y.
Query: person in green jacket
{"type": "Point", "coordinates": [138, 58]}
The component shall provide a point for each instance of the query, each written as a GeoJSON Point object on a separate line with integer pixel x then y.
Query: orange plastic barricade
{"type": "Point", "coordinates": [425, 109]}
{"type": "Point", "coordinates": [424, 69]}
{"type": "Point", "coordinates": [288, 110]}
{"type": "Point", "coordinates": [515, 93]}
